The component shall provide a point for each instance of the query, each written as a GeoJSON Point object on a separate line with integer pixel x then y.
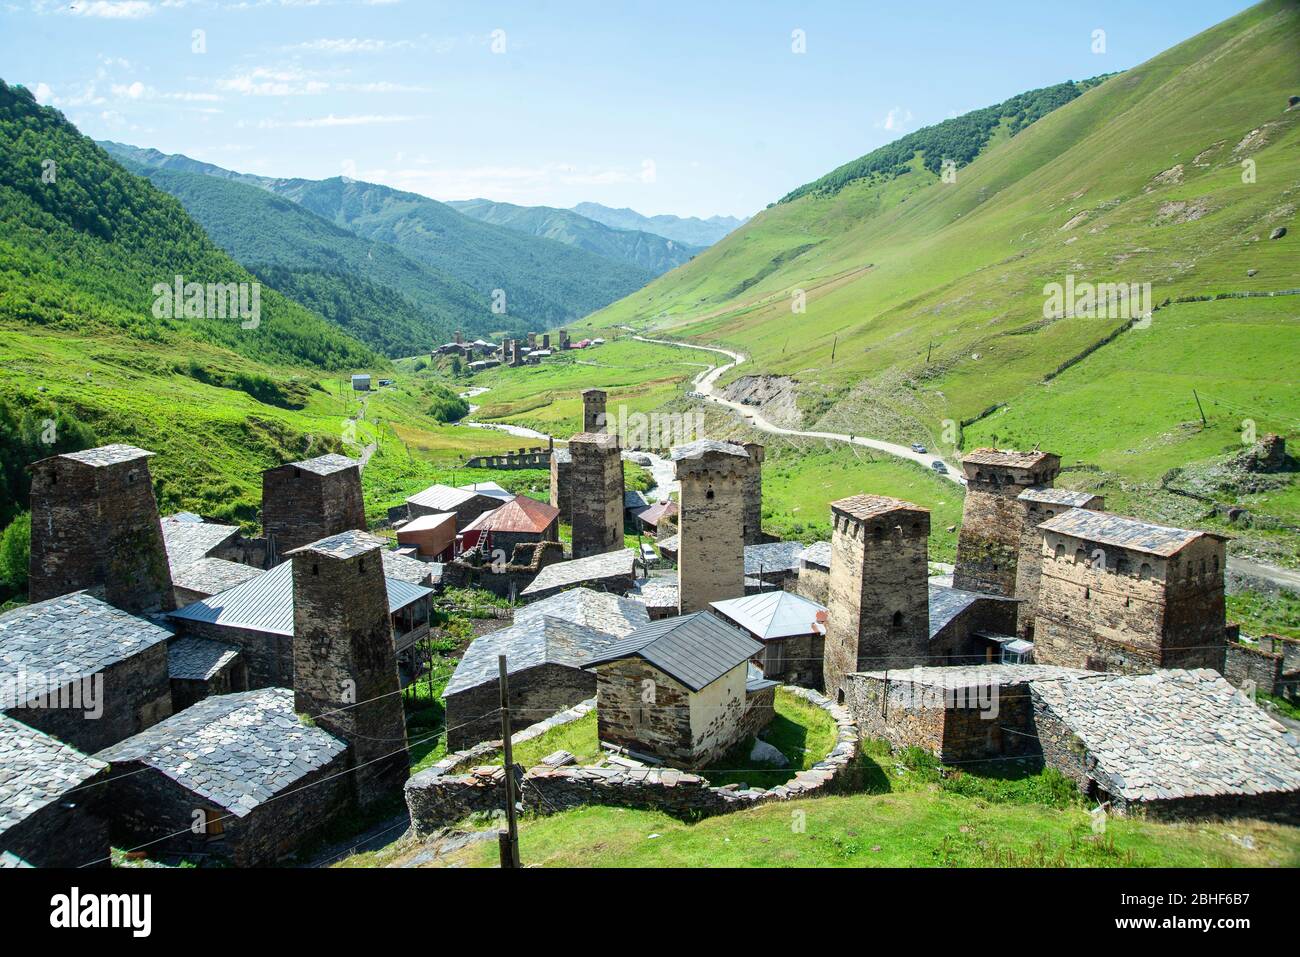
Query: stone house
{"type": "Point", "coordinates": [814, 577]}
{"type": "Point", "coordinates": [83, 671]}
{"type": "Point", "coordinates": [1119, 594]}
{"type": "Point", "coordinates": [1040, 504]}
{"type": "Point", "coordinates": [969, 628]}
{"type": "Point", "coordinates": [611, 571]}
{"type": "Point", "coordinates": [562, 484]}
{"type": "Point", "coordinates": [239, 777]}
{"type": "Point", "coordinates": [791, 629]}
{"type": "Point", "coordinates": [772, 565]}
{"type": "Point", "coordinates": [200, 668]}
{"type": "Point", "coordinates": [207, 558]}
{"type": "Point", "coordinates": [50, 801]}
{"type": "Point", "coordinates": [520, 521]}
{"type": "Point", "coordinates": [1270, 663]}
{"type": "Point", "coordinates": [679, 690]}
{"type": "Point", "coordinates": [306, 501]}
{"type": "Point", "coordinates": [545, 649]}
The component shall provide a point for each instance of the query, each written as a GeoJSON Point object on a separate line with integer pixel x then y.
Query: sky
{"type": "Point", "coordinates": [689, 108]}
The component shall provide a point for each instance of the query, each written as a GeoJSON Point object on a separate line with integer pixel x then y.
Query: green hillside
{"type": "Point", "coordinates": [925, 299]}
{"type": "Point", "coordinates": [646, 250]}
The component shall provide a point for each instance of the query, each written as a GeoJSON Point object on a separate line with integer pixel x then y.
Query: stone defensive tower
{"type": "Point", "coordinates": [596, 493]}
{"type": "Point", "coordinates": [344, 662]}
{"type": "Point", "coordinates": [1039, 505]}
{"type": "Point", "coordinates": [95, 525]}
{"type": "Point", "coordinates": [546, 340]}
{"type": "Point", "coordinates": [593, 411]}
{"type": "Point", "coordinates": [993, 518]}
{"type": "Point", "coordinates": [711, 550]}
{"type": "Point", "coordinates": [303, 502]}
{"type": "Point", "coordinates": [754, 495]}
{"type": "Point", "coordinates": [879, 597]}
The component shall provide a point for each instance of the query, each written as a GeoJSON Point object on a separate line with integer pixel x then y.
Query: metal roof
{"type": "Point", "coordinates": [1131, 533]}
{"type": "Point", "coordinates": [520, 514]}
{"type": "Point", "coordinates": [423, 523]}
{"type": "Point", "coordinates": [266, 603]}
{"type": "Point", "coordinates": [695, 649]}
{"type": "Point", "coordinates": [773, 614]}
{"type": "Point", "coordinates": [444, 498]}
{"type": "Point", "coordinates": [36, 770]}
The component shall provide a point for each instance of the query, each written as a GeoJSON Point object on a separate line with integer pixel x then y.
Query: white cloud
{"type": "Point", "coordinates": [895, 119]}
{"type": "Point", "coordinates": [112, 9]}
{"type": "Point", "coordinates": [351, 45]}
{"type": "Point", "coordinates": [44, 95]}
{"type": "Point", "coordinates": [332, 120]}
{"type": "Point", "coordinates": [268, 81]}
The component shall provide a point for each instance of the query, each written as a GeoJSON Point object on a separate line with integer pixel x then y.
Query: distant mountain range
{"type": "Point", "coordinates": [692, 230]}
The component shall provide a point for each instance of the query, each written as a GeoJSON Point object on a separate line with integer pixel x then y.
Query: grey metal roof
{"type": "Point", "coordinates": [187, 541]}
{"type": "Point", "coordinates": [818, 554]}
{"type": "Point", "coordinates": [700, 447]}
{"type": "Point", "coordinates": [611, 614]}
{"type": "Point", "coordinates": [526, 644]}
{"type": "Point", "coordinates": [323, 464]}
{"type": "Point", "coordinates": [212, 575]}
{"type": "Point", "coordinates": [444, 498]}
{"type": "Point", "coordinates": [1056, 496]}
{"type": "Point", "coordinates": [946, 603]}
{"type": "Point", "coordinates": [593, 568]}
{"type": "Point", "coordinates": [1122, 532]}
{"type": "Point", "coordinates": [772, 557]}
{"type": "Point", "coordinates": [191, 658]}
{"type": "Point", "coordinates": [35, 770]}
{"type": "Point", "coordinates": [696, 649]}
{"type": "Point", "coordinates": [773, 614]}
{"type": "Point", "coordinates": [236, 750]}
{"type": "Point", "coordinates": [66, 638]}
{"type": "Point", "coordinates": [266, 603]}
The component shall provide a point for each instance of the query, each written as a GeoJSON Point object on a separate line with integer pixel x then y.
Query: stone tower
{"type": "Point", "coordinates": [344, 663]}
{"type": "Point", "coordinates": [879, 597]}
{"type": "Point", "coordinates": [95, 525]}
{"type": "Point", "coordinates": [564, 339]}
{"type": "Point", "coordinates": [711, 550]}
{"type": "Point", "coordinates": [1039, 505]}
{"type": "Point", "coordinates": [546, 340]}
{"type": "Point", "coordinates": [596, 493]}
{"type": "Point", "coordinates": [754, 495]}
{"type": "Point", "coordinates": [593, 410]}
{"type": "Point", "coordinates": [460, 338]}
{"type": "Point", "coordinates": [993, 517]}
{"type": "Point", "coordinates": [303, 502]}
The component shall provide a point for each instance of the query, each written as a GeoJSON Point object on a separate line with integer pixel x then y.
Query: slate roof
{"type": "Point", "coordinates": [611, 614]}
{"type": "Point", "coordinates": [108, 455]}
{"type": "Point", "coordinates": [187, 541]}
{"type": "Point", "coordinates": [634, 500]}
{"type": "Point", "coordinates": [410, 570]}
{"type": "Point", "coordinates": [266, 603]}
{"type": "Point", "coordinates": [1175, 734]}
{"type": "Point", "coordinates": [1056, 496]}
{"type": "Point", "coordinates": [696, 649]}
{"type": "Point", "coordinates": [670, 544]}
{"type": "Point", "coordinates": [604, 440]}
{"type": "Point", "coordinates": [236, 750]}
{"type": "Point", "coordinates": [520, 514]}
{"type": "Point", "coordinates": [700, 447]}
{"type": "Point", "coordinates": [771, 615]}
{"type": "Point", "coordinates": [872, 506]}
{"type": "Point", "coordinates": [966, 676]}
{"type": "Point", "coordinates": [323, 464]}
{"type": "Point", "coordinates": [946, 603]}
{"type": "Point", "coordinates": [772, 557]}
{"type": "Point", "coordinates": [562, 455]}
{"type": "Point", "coordinates": [656, 593]}
{"type": "Point", "coordinates": [1007, 458]}
{"type": "Point", "coordinates": [818, 554]}
{"type": "Point", "coordinates": [593, 568]}
{"type": "Point", "coordinates": [36, 770]}
{"type": "Point", "coordinates": [533, 641]}
{"type": "Point", "coordinates": [191, 658]}
{"type": "Point", "coordinates": [1131, 533]}
{"type": "Point", "coordinates": [67, 638]}
{"type": "Point", "coordinates": [212, 575]}
{"type": "Point", "coordinates": [347, 544]}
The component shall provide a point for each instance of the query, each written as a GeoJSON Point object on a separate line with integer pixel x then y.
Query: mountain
{"type": "Point", "coordinates": [692, 230]}
{"type": "Point", "coordinates": [923, 306]}
{"type": "Point", "coordinates": [644, 249]}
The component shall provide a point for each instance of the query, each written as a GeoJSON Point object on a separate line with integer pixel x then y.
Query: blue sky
{"type": "Point", "coordinates": [692, 108]}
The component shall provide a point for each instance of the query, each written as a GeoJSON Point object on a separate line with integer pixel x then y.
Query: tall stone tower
{"type": "Point", "coordinates": [303, 502]}
{"type": "Point", "coordinates": [993, 517]}
{"type": "Point", "coordinates": [1040, 504]}
{"type": "Point", "coordinates": [344, 661]}
{"type": "Point", "coordinates": [593, 410]}
{"type": "Point", "coordinates": [879, 597]}
{"type": "Point", "coordinates": [754, 495]}
{"type": "Point", "coordinates": [596, 493]}
{"type": "Point", "coordinates": [711, 550]}
{"type": "Point", "coordinates": [95, 525]}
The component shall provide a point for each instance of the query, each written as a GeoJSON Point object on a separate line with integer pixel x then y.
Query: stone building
{"type": "Point", "coordinates": [878, 592]}
{"type": "Point", "coordinates": [95, 525]}
{"type": "Point", "coordinates": [993, 518]}
{"type": "Point", "coordinates": [1039, 505]}
{"type": "Point", "coordinates": [1119, 594]}
{"type": "Point", "coordinates": [610, 571]}
{"type": "Point", "coordinates": [791, 629]}
{"type": "Point", "coordinates": [679, 690]}
{"type": "Point", "coordinates": [520, 521]}
{"type": "Point", "coordinates": [50, 800]}
{"type": "Point", "coordinates": [814, 577]}
{"type": "Point", "coordinates": [754, 495]}
{"type": "Point", "coordinates": [1268, 665]}
{"type": "Point", "coordinates": [83, 671]}
{"type": "Point", "coordinates": [969, 628]}
{"type": "Point", "coordinates": [200, 668]}
{"type": "Point", "coordinates": [594, 420]}
{"type": "Point", "coordinates": [344, 659]}
{"type": "Point", "coordinates": [545, 649]}
{"type": "Point", "coordinates": [207, 558]}
{"type": "Point", "coordinates": [238, 777]}
{"type": "Point", "coordinates": [596, 475]}
{"type": "Point", "coordinates": [303, 502]}
{"type": "Point", "coordinates": [772, 565]}
{"type": "Point", "coordinates": [562, 483]}
{"type": "Point", "coordinates": [711, 549]}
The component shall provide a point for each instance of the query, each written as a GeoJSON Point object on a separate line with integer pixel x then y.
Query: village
{"type": "Point", "coordinates": [188, 692]}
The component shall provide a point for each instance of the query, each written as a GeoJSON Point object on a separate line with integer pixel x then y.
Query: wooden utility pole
{"type": "Point", "coordinates": [834, 343]}
{"type": "Point", "coordinates": [928, 350]}
{"type": "Point", "coordinates": [1198, 407]}
{"type": "Point", "coordinates": [507, 840]}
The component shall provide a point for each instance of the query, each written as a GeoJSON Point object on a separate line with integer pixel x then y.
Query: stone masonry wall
{"type": "Point", "coordinates": [562, 488]}
{"type": "Point", "coordinates": [1244, 663]}
{"type": "Point", "coordinates": [1029, 560]}
{"type": "Point", "coordinates": [267, 657]}
{"type": "Point", "coordinates": [64, 833]}
{"type": "Point", "coordinates": [474, 715]}
{"type": "Point", "coordinates": [300, 506]}
{"type": "Point", "coordinates": [596, 480]}
{"type": "Point", "coordinates": [711, 553]}
{"type": "Point", "coordinates": [660, 727]}
{"type": "Point", "coordinates": [988, 543]}
{"type": "Point", "coordinates": [754, 495]}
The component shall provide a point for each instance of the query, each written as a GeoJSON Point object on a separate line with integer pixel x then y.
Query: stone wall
{"type": "Point", "coordinates": [795, 661]}
{"type": "Point", "coordinates": [474, 714]}
{"type": "Point", "coordinates": [531, 458]}
{"type": "Point", "coordinates": [300, 506]}
{"type": "Point", "coordinates": [1029, 560]}
{"type": "Point", "coordinates": [955, 643]}
{"type": "Point", "coordinates": [754, 495]}
{"type": "Point", "coordinates": [660, 727]}
{"type": "Point", "coordinates": [69, 832]}
{"type": "Point", "coordinates": [1247, 663]}
{"type": "Point", "coordinates": [596, 477]}
{"type": "Point", "coordinates": [562, 486]}
{"type": "Point", "coordinates": [267, 657]}
{"type": "Point", "coordinates": [506, 581]}
{"type": "Point", "coordinates": [814, 583]}
{"type": "Point", "coordinates": [711, 549]}
{"type": "Point", "coordinates": [593, 411]}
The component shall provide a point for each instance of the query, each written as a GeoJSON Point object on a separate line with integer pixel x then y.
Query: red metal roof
{"type": "Point", "coordinates": [520, 514]}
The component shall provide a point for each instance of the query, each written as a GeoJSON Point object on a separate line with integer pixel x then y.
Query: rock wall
{"type": "Point", "coordinates": [474, 715]}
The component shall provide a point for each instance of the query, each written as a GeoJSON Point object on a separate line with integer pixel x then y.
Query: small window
{"type": "Point", "coordinates": [839, 698]}
{"type": "Point", "coordinates": [1059, 553]}
{"type": "Point", "coordinates": [1144, 573]}
{"type": "Point", "coordinates": [709, 494]}
{"type": "Point", "coordinates": [898, 619]}
{"type": "Point", "coordinates": [315, 569]}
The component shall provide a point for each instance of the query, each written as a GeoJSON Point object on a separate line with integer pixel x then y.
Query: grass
{"type": "Point", "coordinates": [1260, 613]}
{"type": "Point", "coordinates": [801, 731]}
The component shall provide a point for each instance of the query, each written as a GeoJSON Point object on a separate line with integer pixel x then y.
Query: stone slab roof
{"type": "Point", "coordinates": [186, 542]}
{"type": "Point", "coordinates": [604, 440]}
{"type": "Point", "coordinates": [1130, 533]}
{"type": "Point", "coordinates": [772, 557]}
{"type": "Point", "coordinates": [191, 658]}
{"type": "Point", "coordinates": [1174, 734]}
{"type": "Point", "coordinates": [695, 649]}
{"type": "Point", "coordinates": [236, 750]}
{"type": "Point", "coordinates": [700, 447]}
{"type": "Point", "coordinates": [967, 676]}
{"type": "Point", "coordinates": [593, 568]}
{"type": "Point", "coordinates": [211, 576]}
{"type": "Point", "coordinates": [1056, 496]}
{"type": "Point", "coordinates": [771, 615]}
{"type": "Point", "coordinates": [946, 603]}
{"type": "Point", "coordinates": [600, 610]}
{"type": "Point", "coordinates": [656, 593]}
{"type": "Point", "coordinates": [410, 570]}
{"type": "Point", "coordinates": [818, 554]}
{"type": "Point", "coordinates": [536, 640]}
{"type": "Point", "coordinates": [67, 638]}
{"type": "Point", "coordinates": [670, 544]}
{"type": "Point", "coordinates": [108, 455]}
{"type": "Point", "coordinates": [562, 455]}
{"type": "Point", "coordinates": [323, 464]}
{"type": "Point", "coordinates": [867, 507]}
{"type": "Point", "coordinates": [1007, 458]}
{"type": "Point", "coordinates": [36, 770]}
{"type": "Point", "coordinates": [347, 544]}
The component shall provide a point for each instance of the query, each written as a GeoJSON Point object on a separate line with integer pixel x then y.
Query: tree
{"type": "Point", "coordinates": [15, 549]}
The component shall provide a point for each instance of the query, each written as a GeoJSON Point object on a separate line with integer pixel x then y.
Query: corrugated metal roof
{"type": "Point", "coordinates": [773, 614]}
{"type": "Point", "coordinates": [520, 514]}
{"type": "Point", "coordinates": [696, 649]}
